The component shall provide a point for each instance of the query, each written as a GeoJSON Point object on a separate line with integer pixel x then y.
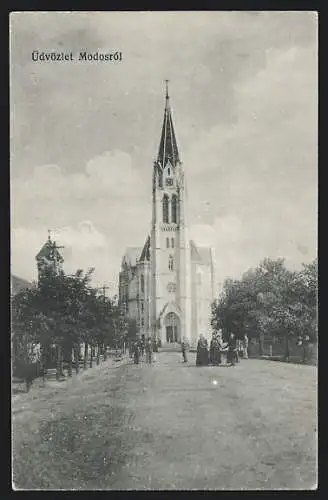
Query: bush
{"type": "Point", "coordinates": [27, 371]}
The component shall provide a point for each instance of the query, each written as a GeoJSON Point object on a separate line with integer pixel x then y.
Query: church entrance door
{"type": "Point", "coordinates": [169, 334]}
{"type": "Point", "coordinates": [172, 324]}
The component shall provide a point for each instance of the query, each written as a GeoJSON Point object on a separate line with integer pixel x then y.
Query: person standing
{"type": "Point", "coordinates": [131, 348]}
{"type": "Point", "coordinates": [149, 351]}
{"type": "Point", "coordinates": [202, 352]}
{"type": "Point", "coordinates": [304, 342]}
{"type": "Point", "coordinates": [215, 350]}
{"type": "Point", "coordinates": [136, 352]}
{"type": "Point", "coordinates": [184, 349]}
{"type": "Point", "coordinates": [232, 349]}
{"type": "Point", "coordinates": [154, 348]}
{"type": "Point", "coordinates": [155, 345]}
{"type": "Point", "coordinates": [245, 346]}
{"type": "Point", "coordinates": [142, 345]}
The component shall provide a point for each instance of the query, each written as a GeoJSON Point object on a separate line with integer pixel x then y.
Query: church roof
{"type": "Point", "coordinates": [201, 255]}
{"type": "Point", "coordinates": [49, 250]}
{"type": "Point", "coordinates": [145, 254]}
{"type": "Point", "coordinates": [168, 148]}
{"type": "Point", "coordinates": [132, 255]}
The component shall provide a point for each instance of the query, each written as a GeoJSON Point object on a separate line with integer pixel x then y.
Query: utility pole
{"type": "Point", "coordinates": [102, 290]}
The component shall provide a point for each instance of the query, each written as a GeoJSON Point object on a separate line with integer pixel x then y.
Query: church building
{"type": "Point", "coordinates": [167, 285]}
{"type": "Point", "coordinates": [48, 259]}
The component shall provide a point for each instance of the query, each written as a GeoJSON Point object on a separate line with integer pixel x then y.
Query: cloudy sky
{"type": "Point", "coordinates": [244, 95]}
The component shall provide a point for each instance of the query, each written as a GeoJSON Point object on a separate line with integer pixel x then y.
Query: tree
{"type": "Point", "coordinates": [269, 300]}
{"type": "Point", "coordinates": [27, 325]}
{"type": "Point", "coordinates": [57, 312]}
{"type": "Point", "coordinates": [64, 302]}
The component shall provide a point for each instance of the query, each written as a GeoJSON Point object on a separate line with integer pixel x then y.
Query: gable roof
{"type": "Point", "coordinates": [49, 250]}
{"type": "Point", "coordinates": [131, 256]}
{"type": "Point", "coordinates": [145, 254]}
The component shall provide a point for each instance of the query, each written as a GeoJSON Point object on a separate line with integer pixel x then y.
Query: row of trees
{"type": "Point", "coordinates": [270, 300]}
{"type": "Point", "coordinates": [62, 312]}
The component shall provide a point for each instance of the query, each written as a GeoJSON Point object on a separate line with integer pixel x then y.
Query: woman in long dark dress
{"type": "Point", "coordinates": [215, 350]}
{"type": "Point", "coordinates": [202, 352]}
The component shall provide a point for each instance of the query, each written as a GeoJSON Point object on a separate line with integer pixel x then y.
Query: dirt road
{"type": "Point", "coordinates": [170, 426]}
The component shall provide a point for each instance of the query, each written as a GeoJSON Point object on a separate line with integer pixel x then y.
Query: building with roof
{"type": "Point", "coordinates": [48, 259]}
{"type": "Point", "coordinates": [168, 284]}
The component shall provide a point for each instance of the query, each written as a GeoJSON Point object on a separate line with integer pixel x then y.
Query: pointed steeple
{"type": "Point", "coordinates": [168, 149]}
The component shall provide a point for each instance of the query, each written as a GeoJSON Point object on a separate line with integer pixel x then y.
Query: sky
{"type": "Point", "coordinates": [244, 98]}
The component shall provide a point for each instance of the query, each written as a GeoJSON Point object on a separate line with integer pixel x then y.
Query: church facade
{"type": "Point", "coordinates": [167, 285]}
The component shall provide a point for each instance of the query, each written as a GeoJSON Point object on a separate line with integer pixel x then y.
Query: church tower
{"type": "Point", "coordinates": [170, 280]}
{"type": "Point", "coordinates": [49, 260]}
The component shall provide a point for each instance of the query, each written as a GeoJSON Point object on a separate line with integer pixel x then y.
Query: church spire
{"type": "Point", "coordinates": [168, 149]}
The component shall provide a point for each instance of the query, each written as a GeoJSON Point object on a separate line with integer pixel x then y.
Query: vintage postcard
{"type": "Point", "coordinates": [164, 250]}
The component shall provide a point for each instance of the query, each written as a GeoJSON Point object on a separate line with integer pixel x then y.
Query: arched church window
{"type": "Point", "coordinates": [160, 179]}
{"type": "Point", "coordinates": [174, 208]}
{"type": "Point", "coordinates": [172, 242]}
{"type": "Point", "coordinates": [167, 242]}
{"type": "Point", "coordinates": [168, 171]}
{"type": "Point", "coordinates": [171, 263]}
{"type": "Point", "coordinates": [165, 208]}
{"type": "Point", "coordinates": [142, 283]}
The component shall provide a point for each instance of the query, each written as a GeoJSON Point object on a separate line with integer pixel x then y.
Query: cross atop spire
{"type": "Point", "coordinates": [168, 149]}
{"type": "Point", "coordinates": [166, 89]}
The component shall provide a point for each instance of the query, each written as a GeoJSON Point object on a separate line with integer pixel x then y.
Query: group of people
{"type": "Point", "coordinates": [142, 346]}
{"type": "Point", "coordinates": [212, 356]}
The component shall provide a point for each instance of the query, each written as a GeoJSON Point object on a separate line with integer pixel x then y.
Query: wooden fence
{"type": "Point", "coordinates": [275, 348]}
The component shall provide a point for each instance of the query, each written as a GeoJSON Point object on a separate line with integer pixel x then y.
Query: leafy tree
{"type": "Point", "coordinates": [27, 326]}
{"type": "Point", "coordinates": [269, 300]}
{"type": "Point", "coordinates": [63, 300]}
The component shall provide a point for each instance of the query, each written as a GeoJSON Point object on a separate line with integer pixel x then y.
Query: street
{"type": "Point", "coordinates": [170, 425]}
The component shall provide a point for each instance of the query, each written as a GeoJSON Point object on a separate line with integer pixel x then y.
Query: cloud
{"type": "Point", "coordinates": [84, 247]}
{"type": "Point", "coordinates": [244, 97]}
{"type": "Point", "coordinates": [95, 214]}
{"type": "Point", "coordinates": [263, 169]}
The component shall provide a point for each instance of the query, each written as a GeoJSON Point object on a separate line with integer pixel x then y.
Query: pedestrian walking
{"type": "Point", "coordinates": [184, 349]}
{"type": "Point", "coordinates": [202, 352]}
{"type": "Point", "coordinates": [149, 351]}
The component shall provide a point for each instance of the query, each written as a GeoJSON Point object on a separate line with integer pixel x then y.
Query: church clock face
{"type": "Point", "coordinates": [171, 287]}
{"type": "Point", "coordinates": [169, 182]}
